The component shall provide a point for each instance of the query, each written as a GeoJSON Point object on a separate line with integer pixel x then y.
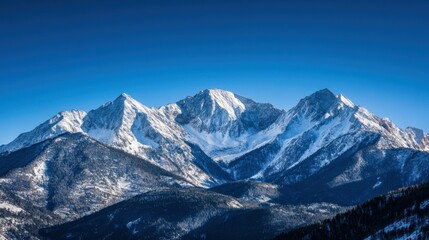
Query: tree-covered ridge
{"type": "Point", "coordinates": [402, 213]}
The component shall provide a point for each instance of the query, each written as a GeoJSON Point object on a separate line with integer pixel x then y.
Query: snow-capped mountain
{"type": "Point", "coordinates": [225, 125]}
{"type": "Point", "coordinates": [325, 149]}
{"type": "Point", "coordinates": [150, 133]}
{"type": "Point", "coordinates": [217, 135]}
{"type": "Point", "coordinates": [128, 125]}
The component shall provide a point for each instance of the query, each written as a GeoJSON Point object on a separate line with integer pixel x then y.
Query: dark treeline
{"type": "Point", "coordinates": [370, 217]}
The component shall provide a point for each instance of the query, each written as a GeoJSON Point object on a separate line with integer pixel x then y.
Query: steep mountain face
{"type": "Point", "coordinates": [73, 175]}
{"type": "Point", "coordinates": [188, 214]}
{"type": "Point", "coordinates": [225, 125]}
{"type": "Point", "coordinates": [420, 138]}
{"type": "Point", "coordinates": [402, 214]}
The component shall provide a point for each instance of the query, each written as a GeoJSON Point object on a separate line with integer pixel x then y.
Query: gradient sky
{"type": "Point", "coordinates": [62, 55]}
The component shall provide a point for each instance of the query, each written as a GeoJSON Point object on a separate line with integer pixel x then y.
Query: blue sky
{"type": "Point", "coordinates": [62, 55]}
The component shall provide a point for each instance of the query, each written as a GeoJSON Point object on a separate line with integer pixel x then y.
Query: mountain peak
{"type": "Point", "coordinates": [323, 94]}
{"type": "Point", "coordinates": [217, 91]}
{"type": "Point", "coordinates": [226, 100]}
{"type": "Point", "coordinates": [112, 116]}
{"type": "Point", "coordinates": [317, 104]}
{"type": "Point", "coordinates": [218, 95]}
{"type": "Point", "coordinates": [124, 97]}
{"type": "Point", "coordinates": [323, 98]}
{"type": "Point", "coordinates": [125, 102]}
{"type": "Point", "coordinates": [210, 102]}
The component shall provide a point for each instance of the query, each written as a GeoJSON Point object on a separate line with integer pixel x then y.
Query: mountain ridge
{"type": "Point", "coordinates": [227, 128]}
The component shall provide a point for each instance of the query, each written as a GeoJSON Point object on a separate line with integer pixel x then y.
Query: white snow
{"type": "Point", "coordinates": [123, 184]}
{"type": "Point", "coordinates": [234, 204]}
{"type": "Point", "coordinates": [222, 147]}
{"type": "Point", "coordinates": [326, 134]}
{"type": "Point", "coordinates": [10, 207]}
{"type": "Point", "coordinates": [401, 224]}
{"type": "Point", "coordinates": [39, 174]}
{"type": "Point", "coordinates": [130, 225]}
{"type": "Point", "coordinates": [377, 184]}
{"type": "Point", "coordinates": [346, 101]}
{"type": "Point", "coordinates": [227, 101]}
{"type": "Point", "coordinates": [63, 122]}
{"type": "Point", "coordinates": [145, 141]}
{"type": "Point", "coordinates": [225, 144]}
{"type": "Point", "coordinates": [102, 135]}
{"type": "Point", "coordinates": [424, 204]}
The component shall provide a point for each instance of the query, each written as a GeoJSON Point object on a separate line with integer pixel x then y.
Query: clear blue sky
{"type": "Point", "coordinates": [62, 55]}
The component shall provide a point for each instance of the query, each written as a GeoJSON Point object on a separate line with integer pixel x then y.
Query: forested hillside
{"type": "Point", "coordinates": [401, 214]}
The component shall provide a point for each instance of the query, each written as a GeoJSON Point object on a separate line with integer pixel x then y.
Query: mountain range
{"type": "Point", "coordinates": [239, 159]}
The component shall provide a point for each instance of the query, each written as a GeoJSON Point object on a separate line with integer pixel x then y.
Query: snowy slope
{"type": "Point", "coordinates": [225, 125]}
{"type": "Point", "coordinates": [150, 133]}
{"type": "Point", "coordinates": [323, 126]}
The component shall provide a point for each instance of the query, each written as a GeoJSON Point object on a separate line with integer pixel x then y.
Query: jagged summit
{"type": "Point", "coordinates": [225, 125]}
{"type": "Point", "coordinates": [218, 108]}
{"type": "Point", "coordinates": [125, 98]}
{"type": "Point", "coordinates": [322, 98]}
{"type": "Point", "coordinates": [211, 103]}
{"type": "Point", "coordinates": [325, 98]}
{"type": "Point", "coordinates": [317, 105]}
{"type": "Point", "coordinates": [325, 92]}
{"type": "Point", "coordinates": [125, 95]}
